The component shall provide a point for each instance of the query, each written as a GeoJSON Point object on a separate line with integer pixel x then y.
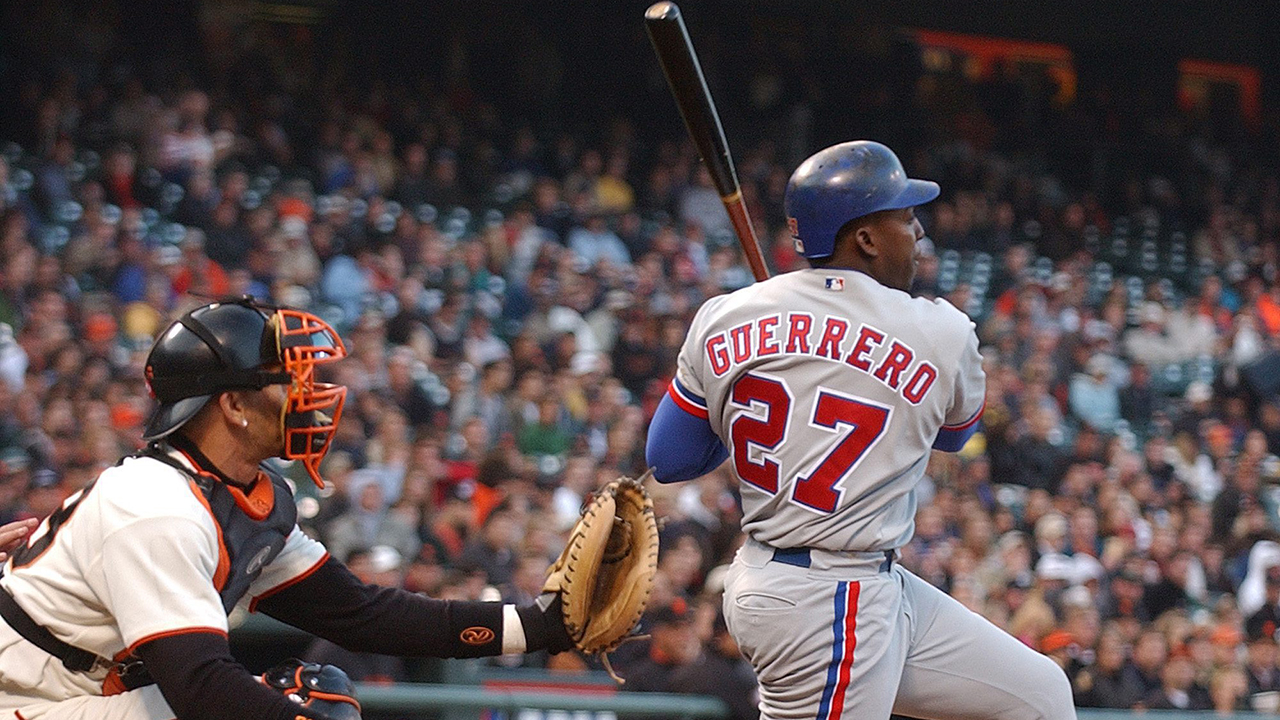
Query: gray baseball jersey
{"type": "Point", "coordinates": [829, 390]}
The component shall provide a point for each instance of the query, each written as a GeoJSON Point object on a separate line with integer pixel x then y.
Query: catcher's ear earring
{"type": "Point", "coordinates": [244, 422]}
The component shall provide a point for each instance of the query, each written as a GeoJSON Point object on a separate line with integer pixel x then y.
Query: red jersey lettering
{"type": "Point", "coordinates": [920, 382]}
{"type": "Point", "coordinates": [799, 325]}
{"type": "Point", "coordinates": [765, 327]}
{"type": "Point", "coordinates": [894, 364]}
{"type": "Point", "coordinates": [833, 332]}
{"type": "Point", "coordinates": [718, 354]}
{"type": "Point", "coordinates": [740, 341]}
{"type": "Point", "coordinates": [869, 339]}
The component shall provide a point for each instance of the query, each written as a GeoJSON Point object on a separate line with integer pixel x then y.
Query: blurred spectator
{"type": "Point", "coordinates": [1261, 671]}
{"type": "Point", "coordinates": [1178, 690]}
{"type": "Point", "coordinates": [1150, 655]}
{"type": "Point", "coordinates": [492, 551]}
{"type": "Point", "coordinates": [674, 644]}
{"type": "Point", "coordinates": [720, 671]}
{"type": "Point", "coordinates": [369, 521]}
{"type": "Point", "coordinates": [1093, 399]}
{"type": "Point", "coordinates": [1107, 683]}
{"type": "Point", "coordinates": [594, 243]}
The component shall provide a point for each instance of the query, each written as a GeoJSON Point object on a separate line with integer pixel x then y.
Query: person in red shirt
{"type": "Point", "coordinates": [199, 274]}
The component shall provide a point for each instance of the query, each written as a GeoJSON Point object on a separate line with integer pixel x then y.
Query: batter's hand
{"type": "Point", "coordinates": [14, 534]}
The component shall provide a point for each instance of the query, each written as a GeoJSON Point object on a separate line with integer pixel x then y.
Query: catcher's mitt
{"type": "Point", "coordinates": [605, 574]}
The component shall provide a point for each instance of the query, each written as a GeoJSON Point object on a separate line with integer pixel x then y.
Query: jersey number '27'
{"type": "Point", "coordinates": [866, 422]}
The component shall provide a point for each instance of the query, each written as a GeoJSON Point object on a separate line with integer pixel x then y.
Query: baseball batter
{"type": "Point", "coordinates": [116, 607]}
{"type": "Point", "coordinates": [827, 388]}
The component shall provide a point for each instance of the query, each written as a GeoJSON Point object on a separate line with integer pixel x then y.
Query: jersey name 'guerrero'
{"type": "Point", "coordinates": [796, 333]}
{"type": "Point", "coordinates": [827, 392]}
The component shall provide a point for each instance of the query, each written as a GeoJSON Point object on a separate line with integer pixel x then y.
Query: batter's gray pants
{"type": "Point", "coordinates": [854, 636]}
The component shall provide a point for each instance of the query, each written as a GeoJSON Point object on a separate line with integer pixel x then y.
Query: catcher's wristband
{"type": "Point", "coordinates": [543, 624]}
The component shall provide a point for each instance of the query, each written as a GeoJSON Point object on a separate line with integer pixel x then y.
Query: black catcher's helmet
{"type": "Point", "coordinates": [242, 344]}
{"type": "Point", "coordinates": [213, 348]}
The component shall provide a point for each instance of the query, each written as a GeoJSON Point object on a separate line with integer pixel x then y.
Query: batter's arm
{"type": "Point", "coordinates": [953, 438]}
{"type": "Point", "coordinates": [968, 400]}
{"type": "Point", "coordinates": [681, 444]}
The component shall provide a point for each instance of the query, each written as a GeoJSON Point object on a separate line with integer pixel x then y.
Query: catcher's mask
{"type": "Point", "coordinates": [242, 344]}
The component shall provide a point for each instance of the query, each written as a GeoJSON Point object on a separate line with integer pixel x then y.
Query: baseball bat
{"type": "Point", "coordinates": [680, 64]}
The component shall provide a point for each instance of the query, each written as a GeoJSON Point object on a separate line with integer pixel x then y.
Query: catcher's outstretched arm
{"type": "Point", "coordinates": [681, 444]}
{"type": "Point", "coordinates": [333, 604]}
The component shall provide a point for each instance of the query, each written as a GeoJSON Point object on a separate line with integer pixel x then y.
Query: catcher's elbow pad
{"type": "Point", "coordinates": [324, 690]}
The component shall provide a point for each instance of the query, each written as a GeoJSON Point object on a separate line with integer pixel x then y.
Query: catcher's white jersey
{"type": "Point", "coordinates": [140, 557]}
{"type": "Point", "coordinates": [829, 390]}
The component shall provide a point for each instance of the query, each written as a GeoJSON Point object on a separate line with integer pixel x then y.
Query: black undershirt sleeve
{"type": "Point", "coordinates": [201, 681]}
{"type": "Point", "coordinates": [333, 604]}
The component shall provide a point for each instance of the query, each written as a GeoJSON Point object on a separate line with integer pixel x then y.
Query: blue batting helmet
{"type": "Point", "coordinates": [844, 182]}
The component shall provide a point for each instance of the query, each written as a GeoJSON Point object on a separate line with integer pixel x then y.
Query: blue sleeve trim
{"type": "Point", "coordinates": [952, 439]}
{"type": "Point", "coordinates": [681, 445]}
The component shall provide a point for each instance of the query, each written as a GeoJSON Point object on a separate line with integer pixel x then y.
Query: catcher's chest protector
{"type": "Point", "coordinates": [253, 528]}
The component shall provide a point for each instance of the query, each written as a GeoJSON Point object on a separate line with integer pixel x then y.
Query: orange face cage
{"type": "Point", "coordinates": [311, 413]}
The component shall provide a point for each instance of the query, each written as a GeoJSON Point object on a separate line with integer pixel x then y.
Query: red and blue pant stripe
{"type": "Point", "coordinates": [838, 671]}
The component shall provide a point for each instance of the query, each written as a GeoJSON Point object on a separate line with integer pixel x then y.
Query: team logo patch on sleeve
{"type": "Point", "coordinates": [835, 283]}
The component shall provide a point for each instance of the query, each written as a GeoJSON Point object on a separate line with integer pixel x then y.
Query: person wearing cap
{"type": "Point", "coordinates": [119, 608]}
{"type": "Point", "coordinates": [674, 643]}
{"type": "Point", "coordinates": [720, 671]}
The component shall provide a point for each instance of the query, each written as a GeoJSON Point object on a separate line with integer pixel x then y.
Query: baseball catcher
{"type": "Point", "coordinates": [605, 573]}
{"type": "Point", "coordinates": [117, 605]}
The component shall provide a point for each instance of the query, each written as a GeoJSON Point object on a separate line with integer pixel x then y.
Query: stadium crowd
{"type": "Point", "coordinates": [513, 300]}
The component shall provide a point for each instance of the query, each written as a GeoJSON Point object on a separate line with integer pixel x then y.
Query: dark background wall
{"type": "Point", "coordinates": [581, 63]}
